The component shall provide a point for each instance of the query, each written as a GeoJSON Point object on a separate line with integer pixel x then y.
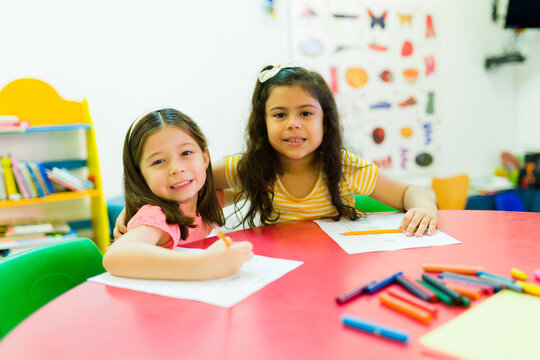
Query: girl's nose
{"type": "Point", "coordinates": [176, 168]}
{"type": "Point", "coordinates": [294, 123]}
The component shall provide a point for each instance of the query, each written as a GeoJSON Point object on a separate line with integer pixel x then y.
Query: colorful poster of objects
{"type": "Point", "coordinates": [380, 61]}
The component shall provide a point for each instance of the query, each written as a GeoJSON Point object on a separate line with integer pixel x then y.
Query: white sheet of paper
{"type": "Point", "coordinates": [253, 276]}
{"type": "Point", "coordinates": [355, 244]}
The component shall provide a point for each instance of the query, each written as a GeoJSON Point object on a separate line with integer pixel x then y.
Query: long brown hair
{"type": "Point", "coordinates": [136, 191]}
{"type": "Point", "coordinates": [259, 167]}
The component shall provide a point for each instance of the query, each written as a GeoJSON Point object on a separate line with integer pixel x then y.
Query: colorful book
{"type": "Point", "coordinates": [15, 126]}
{"type": "Point", "coordinates": [9, 178]}
{"type": "Point", "coordinates": [62, 182]}
{"type": "Point", "coordinates": [37, 181]}
{"type": "Point", "coordinates": [35, 168]}
{"type": "Point", "coordinates": [73, 178]}
{"type": "Point", "coordinates": [43, 174]}
{"type": "Point", "coordinates": [3, 193]}
{"type": "Point", "coordinates": [32, 229]}
{"type": "Point", "coordinates": [9, 123]}
{"type": "Point", "coordinates": [28, 179]}
{"type": "Point", "coordinates": [8, 118]}
{"type": "Point", "coordinates": [18, 177]}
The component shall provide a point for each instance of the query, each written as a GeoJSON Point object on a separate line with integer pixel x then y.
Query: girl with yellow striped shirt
{"type": "Point", "coordinates": [295, 166]}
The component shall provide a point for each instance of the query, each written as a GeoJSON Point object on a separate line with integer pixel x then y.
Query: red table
{"type": "Point", "coordinates": [295, 317]}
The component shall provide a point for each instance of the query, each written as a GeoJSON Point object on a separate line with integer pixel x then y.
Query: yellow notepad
{"type": "Point", "coordinates": [505, 326]}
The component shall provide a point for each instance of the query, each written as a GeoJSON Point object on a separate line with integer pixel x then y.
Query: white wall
{"type": "Point", "coordinates": [528, 101]}
{"type": "Point", "coordinates": [478, 104]}
{"type": "Point", "coordinates": [202, 57]}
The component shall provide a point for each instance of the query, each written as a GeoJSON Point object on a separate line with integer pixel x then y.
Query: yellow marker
{"type": "Point", "coordinates": [529, 288]}
{"type": "Point", "coordinates": [518, 274]}
{"type": "Point", "coordinates": [222, 236]}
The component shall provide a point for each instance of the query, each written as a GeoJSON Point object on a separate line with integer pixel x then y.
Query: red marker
{"type": "Point", "coordinates": [400, 294]}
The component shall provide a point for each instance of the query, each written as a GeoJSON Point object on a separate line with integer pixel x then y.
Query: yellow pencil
{"type": "Point", "coordinates": [222, 236]}
{"type": "Point", "coordinates": [370, 232]}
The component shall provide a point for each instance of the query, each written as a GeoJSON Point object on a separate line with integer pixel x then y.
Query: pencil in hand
{"type": "Point", "coordinates": [222, 236]}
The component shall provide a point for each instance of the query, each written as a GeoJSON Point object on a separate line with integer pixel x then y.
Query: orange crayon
{"type": "Point", "coordinates": [464, 290]}
{"type": "Point", "coordinates": [406, 308]}
{"type": "Point", "coordinates": [460, 269]}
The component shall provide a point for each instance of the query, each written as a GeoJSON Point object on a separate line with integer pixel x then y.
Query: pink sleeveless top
{"type": "Point", "coordinates": [151, 215]}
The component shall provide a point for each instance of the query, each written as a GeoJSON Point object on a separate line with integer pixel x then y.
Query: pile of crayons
{"type": "Point", "coordinates": [456, 285]}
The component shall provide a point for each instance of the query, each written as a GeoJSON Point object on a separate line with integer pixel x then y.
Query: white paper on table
{"type": "Point", "coordinates": [355, 244]}
{"type": "Point", "coordinates": [252, 276]}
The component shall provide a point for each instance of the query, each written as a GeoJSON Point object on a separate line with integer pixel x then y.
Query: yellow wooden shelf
{"type": "Point", "coordinates": [39, 103]}
{"type": "Point", "coordinates": [60, 196]}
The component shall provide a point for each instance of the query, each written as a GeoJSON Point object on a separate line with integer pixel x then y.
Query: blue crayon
{"type": "Point", "coordinates": [509, 284]}
{"type": "Point", "coordinates": [376, 329]}
{"type": "Point", "coordinates": [376, 286]}
{"type": "Point", "coordinates": [495, 276]}
{"type": "Point", "coordinates": [496, 286]}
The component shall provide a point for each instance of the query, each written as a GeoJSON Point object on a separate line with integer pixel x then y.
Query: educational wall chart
{"type": "Point", "coordinates": [380, 59]}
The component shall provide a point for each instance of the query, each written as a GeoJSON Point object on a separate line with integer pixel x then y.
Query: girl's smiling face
{"type": "Point", "coordinates": [174, 167]}
{"type": "Point", "coordinates": [294, 122]}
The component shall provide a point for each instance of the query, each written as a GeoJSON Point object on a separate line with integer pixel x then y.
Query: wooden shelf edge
{"type": "Point", "coordinates": [60, 196]}
{"type": "Point", "coordinates": [47, 128]}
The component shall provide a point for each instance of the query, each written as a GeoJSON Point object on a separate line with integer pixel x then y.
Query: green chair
{"type": "Point", "coordinates": [32, 278]}
{"type": "Point", "coordinates": [367, 204]}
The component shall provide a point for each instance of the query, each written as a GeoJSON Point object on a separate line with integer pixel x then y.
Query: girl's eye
{"type": "Point", "coordinates": [306, 113]}
{"type": "Point", "coordinates": [157, 162]}
{"type": "Point", "coordinates": [280, 115]}
{"type": "Point", "coordinates": [187, 152]}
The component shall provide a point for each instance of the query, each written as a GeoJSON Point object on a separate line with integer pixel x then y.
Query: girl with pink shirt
{"type": "Point", "coordinates": [170, 201]}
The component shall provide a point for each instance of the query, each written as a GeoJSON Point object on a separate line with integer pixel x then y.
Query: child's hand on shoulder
{"type": "Point", "coordinates": [227, 260]}
{"type": "Point", "coordinates": [120, 227]}
{"type": "Point", "coordinates": [419, 220]}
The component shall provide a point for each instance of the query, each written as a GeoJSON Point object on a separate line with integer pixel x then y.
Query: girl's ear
{"type": "Point", "coordinates": [206, 158]}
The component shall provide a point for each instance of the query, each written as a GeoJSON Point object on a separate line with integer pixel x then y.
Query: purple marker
{"type": "Point", "coordinates": [353, 293]}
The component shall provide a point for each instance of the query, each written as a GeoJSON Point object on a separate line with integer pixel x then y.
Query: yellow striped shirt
{"type": "Point", "coordinates": [358, 177]}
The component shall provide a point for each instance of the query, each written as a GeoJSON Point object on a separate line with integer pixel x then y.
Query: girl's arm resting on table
{"type": "Point", "coordinates": [135, 255]}
{"type": "Point", "coordinates": [421, 210]}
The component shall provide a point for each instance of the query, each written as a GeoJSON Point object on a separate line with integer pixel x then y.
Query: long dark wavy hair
{"type": "Point", "coordinates": [136, 191]}
{"type": "Point", "coordinates": [259, 167]}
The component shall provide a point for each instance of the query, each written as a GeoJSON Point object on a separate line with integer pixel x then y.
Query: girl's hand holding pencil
{"type": "Point", "coordinates": [226, 240]}
{"type": "Point", "coordinates": [228, 256]}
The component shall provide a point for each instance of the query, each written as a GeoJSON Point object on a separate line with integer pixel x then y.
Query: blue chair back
{"type": "Point", "coordinates": [509, 201]}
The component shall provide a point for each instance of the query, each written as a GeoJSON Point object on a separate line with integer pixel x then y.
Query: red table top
{"type": "Point", "coordinates": [294, 317]}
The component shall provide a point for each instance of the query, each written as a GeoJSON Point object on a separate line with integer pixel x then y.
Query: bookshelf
{"type": "Point", "coordinates": [59, 129]}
